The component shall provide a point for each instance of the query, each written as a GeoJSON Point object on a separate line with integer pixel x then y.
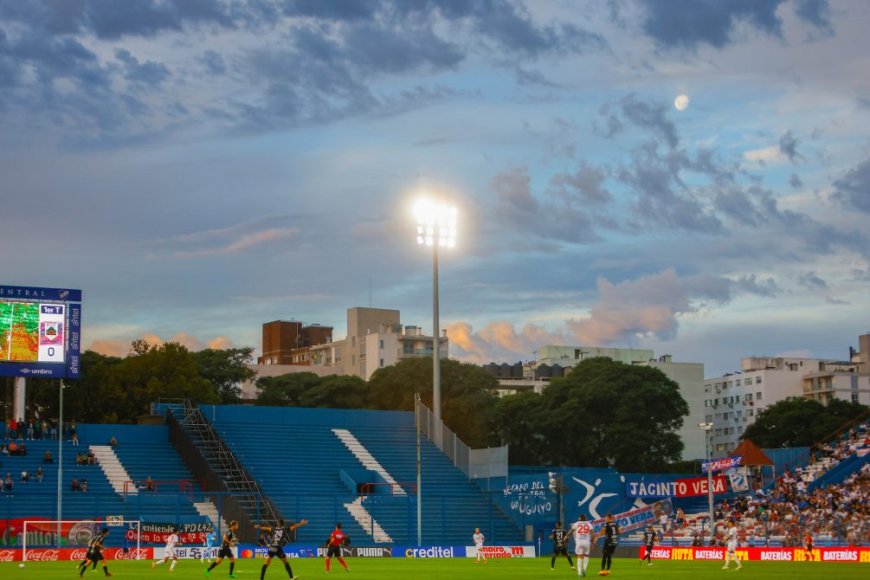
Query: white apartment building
{"type": "Point", "coordinates": [734, 400]}
{"type": "Point", "coordinates": [375, 339]}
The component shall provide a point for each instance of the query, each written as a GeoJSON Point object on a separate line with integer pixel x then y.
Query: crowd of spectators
{"type": "Point", "coordinates": [789, 511]}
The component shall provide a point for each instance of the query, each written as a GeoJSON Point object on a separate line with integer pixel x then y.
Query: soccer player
{"type": "Point", "coordinates": [169, 551]}
{"type": "Point", "coordinates": [210, 540]}
{"type": "Point", "coordinates": [95, 553]}
{"type": "Point", "coordinates": [649, 540]}
{"type": "Point", "coordinates": [227, 542]}
{"type": "Point", "coordinates": [808, 546]}
{"type": "Point", "coordinates": [560, 539]}
{"type": "Point", "coordinates": [280, 536]}
{"type": "Point", "coordinates": [478, 538]}
{"type": "Point", "coordinates": [336, 540]}
{"type": "Point", "coordinates": [611, 532]}
{"type": "Point", "coordinates": [582, 531]}
{"type": "Point", "coordinates": [731, 549]}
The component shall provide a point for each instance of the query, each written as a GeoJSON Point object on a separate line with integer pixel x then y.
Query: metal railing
{"type": "Point", "coordinates": [212, 461]}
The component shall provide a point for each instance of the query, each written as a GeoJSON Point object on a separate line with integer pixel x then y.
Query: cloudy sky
{"type": "Point", "coordinates": [199, 167]}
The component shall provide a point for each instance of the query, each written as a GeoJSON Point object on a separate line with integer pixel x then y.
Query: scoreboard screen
{"type": "Point", "coordinates": [39, 331]}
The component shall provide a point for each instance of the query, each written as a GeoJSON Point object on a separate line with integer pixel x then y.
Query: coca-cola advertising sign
{"type": "Point", "coordinates": [8, 555]}
{"type": "Point", "coordinates": [73, 554]}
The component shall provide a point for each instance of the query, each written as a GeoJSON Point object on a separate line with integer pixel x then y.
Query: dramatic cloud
{"type": "Point", "coordinates": [853, 189]}
{"type": "Point", "coordinates": [713, 22]}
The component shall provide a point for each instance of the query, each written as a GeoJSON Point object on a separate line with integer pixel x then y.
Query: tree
{"type": "Point", "coordinates": [467, 395]}
{"type": "Point", "coordinates": [285, 389]}
{"type": "Point", "coordinates": [337, 392]}
{"type": "Point", "coordinates": [602, 414]}
{"type": "Point", "coordinates": [800, 422]}
{"type": "Point", "coordinates": [519, 422]}
{"type": "Point", "coordinates": [226, 369]}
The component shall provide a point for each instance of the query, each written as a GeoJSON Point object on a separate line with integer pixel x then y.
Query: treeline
{"type": "Point", "coordinates": [602, 413]}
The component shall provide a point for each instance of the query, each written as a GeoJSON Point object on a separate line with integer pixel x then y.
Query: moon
{"type": "Point", "coordinates": [681, 102]}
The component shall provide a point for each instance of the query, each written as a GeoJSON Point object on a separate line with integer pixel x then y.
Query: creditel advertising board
{"type": "Point", "coordinates": [40, 332]}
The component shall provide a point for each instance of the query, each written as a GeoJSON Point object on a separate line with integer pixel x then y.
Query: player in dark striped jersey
{"type": "Point", "coordinates": [95, 553]}
{"type": "Point", "coordinates": [227, 543]}
{"type": "Point", "coordinates": [649, 540]}
{"type": "Point", "coordinates": [279, 537]}
{"type": "Point", "coordinates": [559, 535]}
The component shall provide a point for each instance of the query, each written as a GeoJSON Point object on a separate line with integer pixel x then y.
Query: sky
{"type": "Point", "coordinates": [689, 176]}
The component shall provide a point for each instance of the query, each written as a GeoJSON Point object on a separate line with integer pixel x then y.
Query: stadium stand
{"type": "Point", "coordinates": [142, 449]}
{"type": "Point", "coordinates": [307, 471]}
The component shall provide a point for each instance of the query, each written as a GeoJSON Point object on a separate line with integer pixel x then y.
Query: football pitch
{"type": "Point", "coordinates": [446, 569]}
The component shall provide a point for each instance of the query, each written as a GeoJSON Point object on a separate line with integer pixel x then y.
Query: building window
{"type": "Point", "coordinates": [382, 346]}
{"type": "Point", "coordinates": [353, 359]}
{"type": "Point", "coordinates": [757, 380]}
{"type": "Point", "coordinates": [758, 396]}
{"type": "Point", "coordinates": [382, 363]}
{"type": "Point", "coordinates": [748, 396]}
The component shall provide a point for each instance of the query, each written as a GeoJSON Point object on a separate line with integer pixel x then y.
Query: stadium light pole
{"type": "Point", "coordinates": [708, 431]}
{"type": "Point", "coordinates": [436, 227]}
{"type": "Point", "coordinates": [419, 472]}
{"type": "Point", "coordinates": [60, 467]}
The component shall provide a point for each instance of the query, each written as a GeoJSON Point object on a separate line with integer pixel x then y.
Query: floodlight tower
{"type": "Point", "coordinates": [436, 227]}
{"type": "Point", "coordinates": [708, 432]}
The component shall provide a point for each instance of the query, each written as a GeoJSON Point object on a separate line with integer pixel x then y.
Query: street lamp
{"type": "Point", "coordinates": [436, 227]}
{"type": "Point", "coordinates": [708, 431]}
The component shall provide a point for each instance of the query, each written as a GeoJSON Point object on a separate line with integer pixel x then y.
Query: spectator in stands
{"type": "Point", "coordinates": [4, 450]}
{"type": "Point", "coordinates": [80, 459]}
{"type": "Point", "coordinates": [25, 477]}
{"type": "Point", "coordinates": [44, 429]}
{"type": "Point", "coordinates": [39, 474]}
{"type": "Point", "coordinates": [113, 442]}
{"type": "Point", "coordinates": [13, 448]}
{"type": "Point", "coordinates": [74, 439]}
{"type": "Point", "coordinates": [53, 424]}
{"type": "Point", "coordinates": [47, 458]}
{"type": "Point", "coordinates": [74, 485]}
{"type": "Point", "coordinates": [84, 485]}
{"type": "Point", "coordinates": [8, 484]}
{"type": "Point", "coordinates": [149, 484]}
{"type": "Point", "coordinates": [21, 427]}
{"type": "Point", "coordinates": [22, 449]}
{"type": "Point", "coordinates": [91, 458]}
{"type": "Point", "coordinates": [72, 428]}
{"type": "Point", "coordinates": [30, 429]}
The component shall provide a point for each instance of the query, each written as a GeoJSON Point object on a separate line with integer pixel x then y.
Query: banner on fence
{"type": "Point", "coordinates": [156, 533]}
{"type": "Point", "coordinates": [721, 464]}
{"type": "Point", "coordinates": [690, 487]}
{"type": "Point", "coordinates": [638, 518]}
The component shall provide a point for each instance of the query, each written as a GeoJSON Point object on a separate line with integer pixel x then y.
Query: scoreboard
{"type": "Point", "coordinates": [40, 332]}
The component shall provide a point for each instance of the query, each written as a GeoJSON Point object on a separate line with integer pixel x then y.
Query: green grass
{"type": "Point", "coordinates": [453, 569]}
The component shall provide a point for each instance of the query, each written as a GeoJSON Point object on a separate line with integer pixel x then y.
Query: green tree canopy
{"type": "Point", "coordinates": [467, 395]}
{"type": "Point", "coordinates": [800, 422]}
{"type": "Point", "coordinates": [602, 414]}
{"type": "Point", "coordinates": [337, 392]}
{"type": "Point", "coordinates": [226, 369]}
{"type": "Point", "coordinates": [285, 389]}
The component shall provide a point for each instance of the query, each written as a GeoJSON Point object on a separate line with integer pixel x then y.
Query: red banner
{"type": "Point", "coordinates": [836, 554]}
{"type": "Point", "coordinates": [72, 554]}
{"type": "Point", "coordinates": [698, 486]}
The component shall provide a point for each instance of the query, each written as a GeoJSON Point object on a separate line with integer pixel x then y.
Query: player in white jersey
{"type": "Point", "coordinates": [582, 532]}
{"type": "Point", "coordinates": [478, 539]}
{"type": "Point", "coordinates": [731, 549]}
{"type": "Point", "coordinates": [169, 552]}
